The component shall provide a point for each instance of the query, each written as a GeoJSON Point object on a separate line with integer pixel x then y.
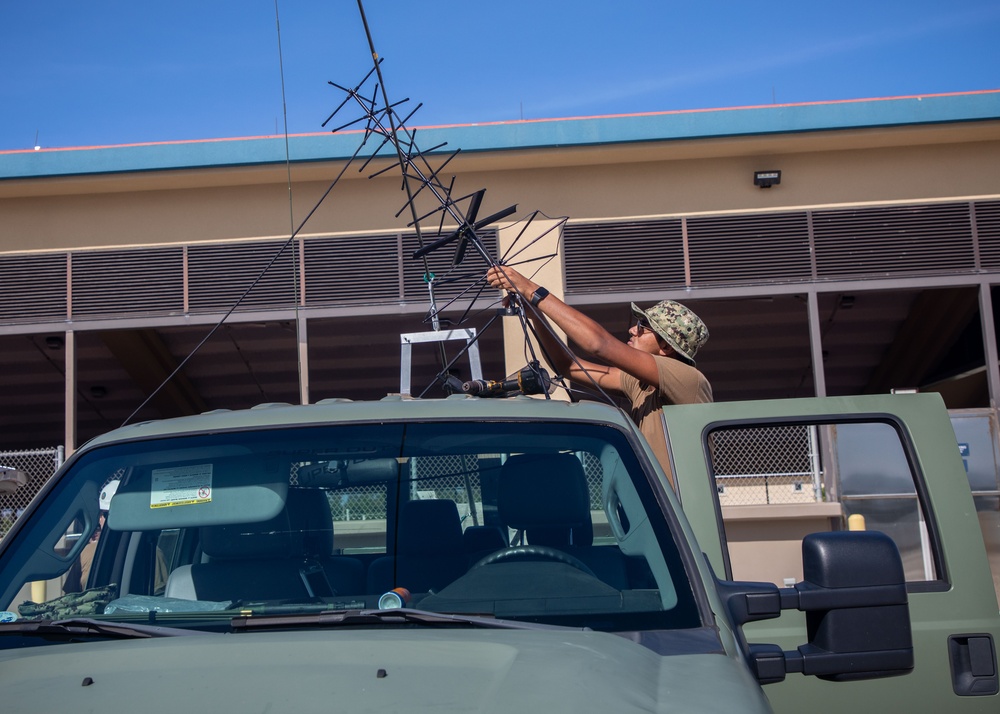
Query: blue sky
{"type": "Point", "coordinates": [117, 72]}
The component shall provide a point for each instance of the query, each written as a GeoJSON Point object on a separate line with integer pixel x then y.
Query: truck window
{"type": "Point", "coordinates": [557, 525]}
{"type": "Point", "coordinates": [778, 482]}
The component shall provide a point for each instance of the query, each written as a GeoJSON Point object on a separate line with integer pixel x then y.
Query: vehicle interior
{"type": "Point", "coordinates": [490, 519]}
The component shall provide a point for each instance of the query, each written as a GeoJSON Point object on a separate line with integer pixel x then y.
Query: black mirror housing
{"type": "Point", "coordinates": [857, 616]}
{"type": "Point", "coordinates": [874, 638]}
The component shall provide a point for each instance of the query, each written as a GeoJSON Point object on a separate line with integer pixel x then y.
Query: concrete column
{"type": "Point", "coordinates": [302, 337]}
{"type": "Point", "coordinates": [989, 343]}
{"type": "Point", "coordinates": [530, 251]}
{"type": "Point", "coordinates": [816, 345]}
{"type": "Point", "coordinates": [70, 387]}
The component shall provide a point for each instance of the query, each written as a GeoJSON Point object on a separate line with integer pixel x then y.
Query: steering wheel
{"type": "Point", "coordinates": [534, 552]}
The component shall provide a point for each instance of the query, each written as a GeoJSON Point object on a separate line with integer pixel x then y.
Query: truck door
{"type": "Point", "coordinates": [754, 477]}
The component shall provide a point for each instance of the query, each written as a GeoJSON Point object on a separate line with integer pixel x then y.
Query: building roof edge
{"type": "Point", "coordinates": [570, 132]}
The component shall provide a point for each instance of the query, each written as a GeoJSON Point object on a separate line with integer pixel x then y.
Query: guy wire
{"type": "Point", "coordinates": [260, 275]}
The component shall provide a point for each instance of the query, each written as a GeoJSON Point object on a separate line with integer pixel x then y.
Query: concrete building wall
{"type": "Point", "coordinates": [659, 178]}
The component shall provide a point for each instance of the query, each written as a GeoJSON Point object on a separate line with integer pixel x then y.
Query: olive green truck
{"type": "Point", "coordinates": [502, 555]}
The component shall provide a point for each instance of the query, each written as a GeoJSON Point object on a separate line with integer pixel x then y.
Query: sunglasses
{"type": "Point", "coordinates": [641, 325]}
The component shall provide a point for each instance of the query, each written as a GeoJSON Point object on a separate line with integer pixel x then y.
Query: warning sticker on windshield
{"type": "Point", "coordinates": [181, 486]}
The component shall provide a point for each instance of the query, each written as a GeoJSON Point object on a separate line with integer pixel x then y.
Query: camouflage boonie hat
{"type": "Point", "coordinates": [677, 325]}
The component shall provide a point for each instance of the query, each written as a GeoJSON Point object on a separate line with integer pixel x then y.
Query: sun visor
{"type": "Point", "coordinates": [199, 493]}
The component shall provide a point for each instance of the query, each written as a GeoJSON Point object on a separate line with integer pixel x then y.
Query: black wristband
{"type": "Point", "coordinates": [540, 294]}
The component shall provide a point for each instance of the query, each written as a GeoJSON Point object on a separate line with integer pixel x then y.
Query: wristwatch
{"type": "Point", "coordinates": [540, 294]}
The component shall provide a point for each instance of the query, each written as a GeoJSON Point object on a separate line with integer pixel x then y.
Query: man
{"type": "Point", "coordinates": [655, 367]}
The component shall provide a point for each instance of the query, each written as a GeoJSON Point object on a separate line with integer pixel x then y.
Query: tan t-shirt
{"type": "Point", "coordinates": [680, 383]}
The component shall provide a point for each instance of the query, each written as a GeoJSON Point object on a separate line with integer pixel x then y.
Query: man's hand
{"type": "Point", "coordinates": [587, 334]}
{"type": "Point", "coordinates": [505, 278]}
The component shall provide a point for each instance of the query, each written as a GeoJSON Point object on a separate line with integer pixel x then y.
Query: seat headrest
{"type": "Point", "coordinates": [245, 541]}
{"type": "Point", "coordinates": [309, 513]}
{"type": "Point", "coordinates": [546, 495]}
{"type": "Point", "coordinates": [429, 527]}
{"type": "Point", "coordinates": [303, 528]}
{"type": "Point", "coordinates": [483, 538]}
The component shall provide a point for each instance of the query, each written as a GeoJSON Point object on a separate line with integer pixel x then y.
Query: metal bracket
{"type": "Point", "coordinates": [414, 338]}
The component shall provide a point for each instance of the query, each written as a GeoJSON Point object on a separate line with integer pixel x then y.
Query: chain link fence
{"type": "Point", "coordinates": [767, 465]}
{"type": "Point", "coordinates": [752, 466]}
{"type": "Point", "coordinates": [457, 478]}
{"type": "Point", "coordinates": [24, 473]}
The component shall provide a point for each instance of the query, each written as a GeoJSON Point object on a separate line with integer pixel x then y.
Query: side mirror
{"type": "Point", "coordinates": [857, 617]}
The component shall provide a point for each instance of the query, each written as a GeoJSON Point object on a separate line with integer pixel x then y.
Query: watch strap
{"type": "Point", "coordinates": [540, 294]}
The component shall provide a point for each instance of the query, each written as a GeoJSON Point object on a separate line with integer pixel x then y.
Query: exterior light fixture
{"type": "Point", "coordinates": [11, 479]}
{"type": "Point", "coordinates": [766, 179]}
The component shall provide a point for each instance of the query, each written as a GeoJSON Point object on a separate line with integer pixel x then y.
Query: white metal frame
{"type": "Point", "coordinates": [407, 340]}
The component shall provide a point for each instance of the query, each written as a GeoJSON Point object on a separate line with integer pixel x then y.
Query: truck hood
{"type": "Point", "coordinates": [415, 671]}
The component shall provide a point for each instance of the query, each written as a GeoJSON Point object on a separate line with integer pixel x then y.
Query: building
{"type": "Point", "coordinates": [871, 266]}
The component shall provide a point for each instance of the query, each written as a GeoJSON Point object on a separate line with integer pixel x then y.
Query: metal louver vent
{"type": "Point", "coordinates": [33, 287]}
{"type": "Point", "coordinates": [895, 240]}
{"type": "Point", "coordinates": [218, 275]}
{"type": "Point", "coordinates": [988, 230]}
{"type": "Point", "coordinates": [749, 248]}
{"type": "Point", "coordinates": [623, 256]}
{"type": "Point", "coordinates": [117, 282]}
{"type": "Point", "coordinates": [351, 269]}
{"type": "Point", "coordinates": [626, 256]}
{"type": "Point", "coordinates": [450, 281]}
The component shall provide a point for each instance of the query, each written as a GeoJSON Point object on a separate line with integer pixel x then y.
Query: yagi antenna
{"type": "Point", "coordinates": [420, 171]}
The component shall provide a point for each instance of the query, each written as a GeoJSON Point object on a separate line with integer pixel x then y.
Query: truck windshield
{"type": "Point", "coordinates": [536, 522]}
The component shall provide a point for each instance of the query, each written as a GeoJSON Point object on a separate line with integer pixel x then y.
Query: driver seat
{"type": "Point", "coordinates": [429, 552]}
{"type": "Point", "coordinates": [546, 496]}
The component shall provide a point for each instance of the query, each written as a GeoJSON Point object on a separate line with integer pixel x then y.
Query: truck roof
{"type": "Point", "coordinates": [390, 408]}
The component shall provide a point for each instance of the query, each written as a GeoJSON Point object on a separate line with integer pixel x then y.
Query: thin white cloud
{"type": "Point", "coordinates": [765, 62]}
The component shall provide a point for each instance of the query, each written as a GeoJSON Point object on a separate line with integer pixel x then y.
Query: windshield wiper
{"type": "Point", "coordinates": [379, 617]}
{"type": "Point", "coordinates": [86, 628]}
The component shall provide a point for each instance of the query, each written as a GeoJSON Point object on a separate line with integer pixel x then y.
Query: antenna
{"type": "Point", "coordinates": [428, 196]}
{"type": "Point", "coordinates": [416, 168]}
